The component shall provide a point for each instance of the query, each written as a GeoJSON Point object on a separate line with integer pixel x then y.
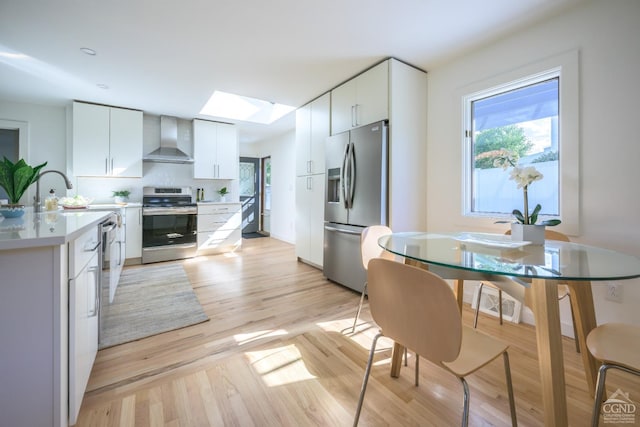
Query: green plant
{"type": "Point", "coordinates": [15, 178]}
{"type": "Point", "coordinates": [121, 193]}
{"type": "Point", "coordinates": [223, 191]}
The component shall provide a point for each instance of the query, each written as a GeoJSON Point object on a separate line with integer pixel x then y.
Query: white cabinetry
{"type": "Point", "coordinates": [133, 229]}
{"type": "Point", "coordinates": [107, 141]}
{"type": "Point", "coordinates": [312, 129]}
{"type": "Point", "coordinates": [362, 100]}
{"type": "Point", "coordinates": [395, 91]}
{"type": "Point", "coordinates": [84, 274]}
{"type": "Point", "coordinates": [219, 228]}
{"type": "Point", "coordinates": [312, 121]}
{"type": "Point", "coordinates": [310, 218]}
{"type": "Point", "coordinates": [215, 150]}
{"type": "Point", "coordinates": [33, 333]}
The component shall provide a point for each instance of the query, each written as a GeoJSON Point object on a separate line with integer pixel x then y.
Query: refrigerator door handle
{"type": "Point", "coordinates": [343, 177]}
{"type": "Point", "coordinates": [342, 230]}
{"type": "Point", "coordinates": [352, 172]}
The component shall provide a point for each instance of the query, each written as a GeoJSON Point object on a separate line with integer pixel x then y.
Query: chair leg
{"type": "Point", "coordinates": [355, 321]}
{"type": "Point", "coordinates": [475, 319]}
{"type": "Point", "coordinates": [417, 374]}
{"type": "Point", "coordinates": [366, 379]}
{"type": "Point", "coordinates": [465, 408]}
{"type": "Point", "coordinates": [512, 402]}
{"type": "Point", "coordinates": [600, 388]}
{"type": "Point", "coordinates": [602, 374]}
{"type": "Point", "coordinates": [406, 357]}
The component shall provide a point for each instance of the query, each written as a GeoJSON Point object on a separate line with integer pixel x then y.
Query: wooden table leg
{"type": "Point", "coordinates": [396, 359]}
{"type": "Point", "coordinates": [550, 358]}
{"type": "Point", "coordinates": [459, 291]}
{"type": "Point", "coordinates": [585, 319]}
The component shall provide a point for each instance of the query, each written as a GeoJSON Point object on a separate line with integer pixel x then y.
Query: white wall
{"type": "Point", "coordinates": [283, 175]}
{"type": "Point", "coordinates": [46, 141]}
{"type": "Point", "coordinates": [606, 34]}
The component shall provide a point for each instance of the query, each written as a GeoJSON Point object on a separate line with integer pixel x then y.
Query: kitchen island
{"type": "Point", "coordinates": [37, 253]}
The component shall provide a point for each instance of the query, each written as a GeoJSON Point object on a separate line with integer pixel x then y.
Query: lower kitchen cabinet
{"type": "Point", "coordinates": [133, 227]}
{"type": "Point", "coordinates": [84, 273]}
{"type": "Point", "coordinates": [219, 227]}
{"type": "Point", "coordinates": [48, 330]}
{"type": "Point", "coordinates": [310, 218]}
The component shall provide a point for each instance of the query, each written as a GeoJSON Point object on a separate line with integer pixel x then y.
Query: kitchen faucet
{"type": "Point", "coordinates": [37, 205]}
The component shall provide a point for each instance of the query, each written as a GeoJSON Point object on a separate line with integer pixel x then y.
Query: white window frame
{"type": "Point", "coordinates": [566, 67]}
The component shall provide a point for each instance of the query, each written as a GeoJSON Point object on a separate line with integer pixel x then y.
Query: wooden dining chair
{"type": "Point", "coordinates": [417, 309]}
{"type": "Point", "coordinates": [617, 346]}
{"type": "Point", "coordinates": [370, 249]}
{"type": "Point", "coordinates": [563, 290]}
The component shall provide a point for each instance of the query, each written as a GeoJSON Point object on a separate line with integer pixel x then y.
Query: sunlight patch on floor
{"type": "Point", "coordinates": [280, 365]}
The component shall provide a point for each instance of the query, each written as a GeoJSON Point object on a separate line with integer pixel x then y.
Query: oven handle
{"type": "Point", "coordinates": [165, 247]}
{"type": "Point", "coordinates": [170, 211]}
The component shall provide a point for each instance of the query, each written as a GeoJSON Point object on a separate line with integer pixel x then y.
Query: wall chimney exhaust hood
{"type": "Point", "coordinates": [168, 151]}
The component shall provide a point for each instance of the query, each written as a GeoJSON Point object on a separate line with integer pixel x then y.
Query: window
{"type": "Point", "coordinates": [531, 113]}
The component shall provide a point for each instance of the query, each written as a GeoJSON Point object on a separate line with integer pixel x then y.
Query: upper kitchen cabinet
{"type": "Point", "coordinates": [215, 150]}
{"type": "Point", "coordinates": [362, 100]}
{"type": "Point", "coordinates": [312, 129]}
{"type": "Point", "coordinates": [107, 141]}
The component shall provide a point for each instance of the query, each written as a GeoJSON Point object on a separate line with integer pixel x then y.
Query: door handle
{"type": "Point", "coordinates": [96, 299]}
{"type": "Point", "coordinates": [343, 231]}
{"type": "Point", "coordinates": [352, 172]}
{"type": "Point", "coordinates": [343, 176]}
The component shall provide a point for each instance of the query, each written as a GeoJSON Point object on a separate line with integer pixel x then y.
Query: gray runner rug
{"type": "Point", "coordinates": [149, 300]}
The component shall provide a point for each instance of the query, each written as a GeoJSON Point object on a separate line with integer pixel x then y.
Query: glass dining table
{"type": "Point", "coordinates": [537, 270]}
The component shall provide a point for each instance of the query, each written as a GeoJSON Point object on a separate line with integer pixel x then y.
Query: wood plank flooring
{"type": "Point", "coordinates": [278, 351]}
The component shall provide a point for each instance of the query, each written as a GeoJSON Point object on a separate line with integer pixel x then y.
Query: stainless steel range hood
{"type": "Point", "coordinates": [168, 151]}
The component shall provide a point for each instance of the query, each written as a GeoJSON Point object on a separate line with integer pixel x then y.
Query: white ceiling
{"type": "Point", "coordinates": [167, 57]}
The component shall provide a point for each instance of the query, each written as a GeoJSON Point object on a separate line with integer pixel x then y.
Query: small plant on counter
{"type": "Point", "coordinates": [121, 193]}
{"type": "Point", "coordinates": [223, 191]}
{"type": "Point", "coordinates": [15, 178]}
{"type": "Point", "coordinates": [121, 196]}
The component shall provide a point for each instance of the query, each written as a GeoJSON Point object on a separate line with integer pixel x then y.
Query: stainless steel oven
{"type": "Point", "coordinates": [169, 221]}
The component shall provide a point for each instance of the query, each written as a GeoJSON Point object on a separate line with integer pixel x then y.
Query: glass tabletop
{"type": "Point", "coordinates": [497, 254]}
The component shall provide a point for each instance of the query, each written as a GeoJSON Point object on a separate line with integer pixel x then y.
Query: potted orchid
{"type": "Point", "coordinates": [526, 226]}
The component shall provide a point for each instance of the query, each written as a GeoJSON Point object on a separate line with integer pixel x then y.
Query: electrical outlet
{"type": "Point", "coordinates": [614, 292]}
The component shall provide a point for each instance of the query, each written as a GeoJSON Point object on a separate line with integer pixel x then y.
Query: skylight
{"type": "Point", "coordinates": [236, 107]}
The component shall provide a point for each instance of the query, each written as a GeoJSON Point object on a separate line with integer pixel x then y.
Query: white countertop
{"type": "Point", "coordinates": [46, 228]}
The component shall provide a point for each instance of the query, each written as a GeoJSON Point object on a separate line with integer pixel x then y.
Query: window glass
{"type": "Point", "coordinates": [519, 120]}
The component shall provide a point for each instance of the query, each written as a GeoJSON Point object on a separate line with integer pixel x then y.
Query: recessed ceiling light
{"type": "Point", "coordinates": [102, 86]}
{"type": "Point", "coordinates": [88, 51]}
{"type": "Point", "coordinates": [236, 107]}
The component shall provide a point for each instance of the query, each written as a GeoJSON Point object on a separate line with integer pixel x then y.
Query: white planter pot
{"type": "Point", "coordinates": [527, 233]}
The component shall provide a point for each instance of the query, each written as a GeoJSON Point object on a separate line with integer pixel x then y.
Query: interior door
{"type": "Point", "coordinates": [265, 227]}
{"type": "Point", "coordinates": [250, 194]}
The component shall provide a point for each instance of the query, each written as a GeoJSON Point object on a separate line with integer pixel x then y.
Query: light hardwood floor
{"type": "Point", "coordinates": [277, 351]}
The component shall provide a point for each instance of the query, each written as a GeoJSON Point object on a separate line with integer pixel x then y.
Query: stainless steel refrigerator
{"type": "Point", "coordinates": [356, 197]}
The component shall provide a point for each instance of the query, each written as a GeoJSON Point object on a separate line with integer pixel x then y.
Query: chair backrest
{"type": "Point", "coordinates": [416, 308]}
{"type": "Point", "coordinates": [550, 235]}
{"type": "Point", "coordinates": [369, 247]}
